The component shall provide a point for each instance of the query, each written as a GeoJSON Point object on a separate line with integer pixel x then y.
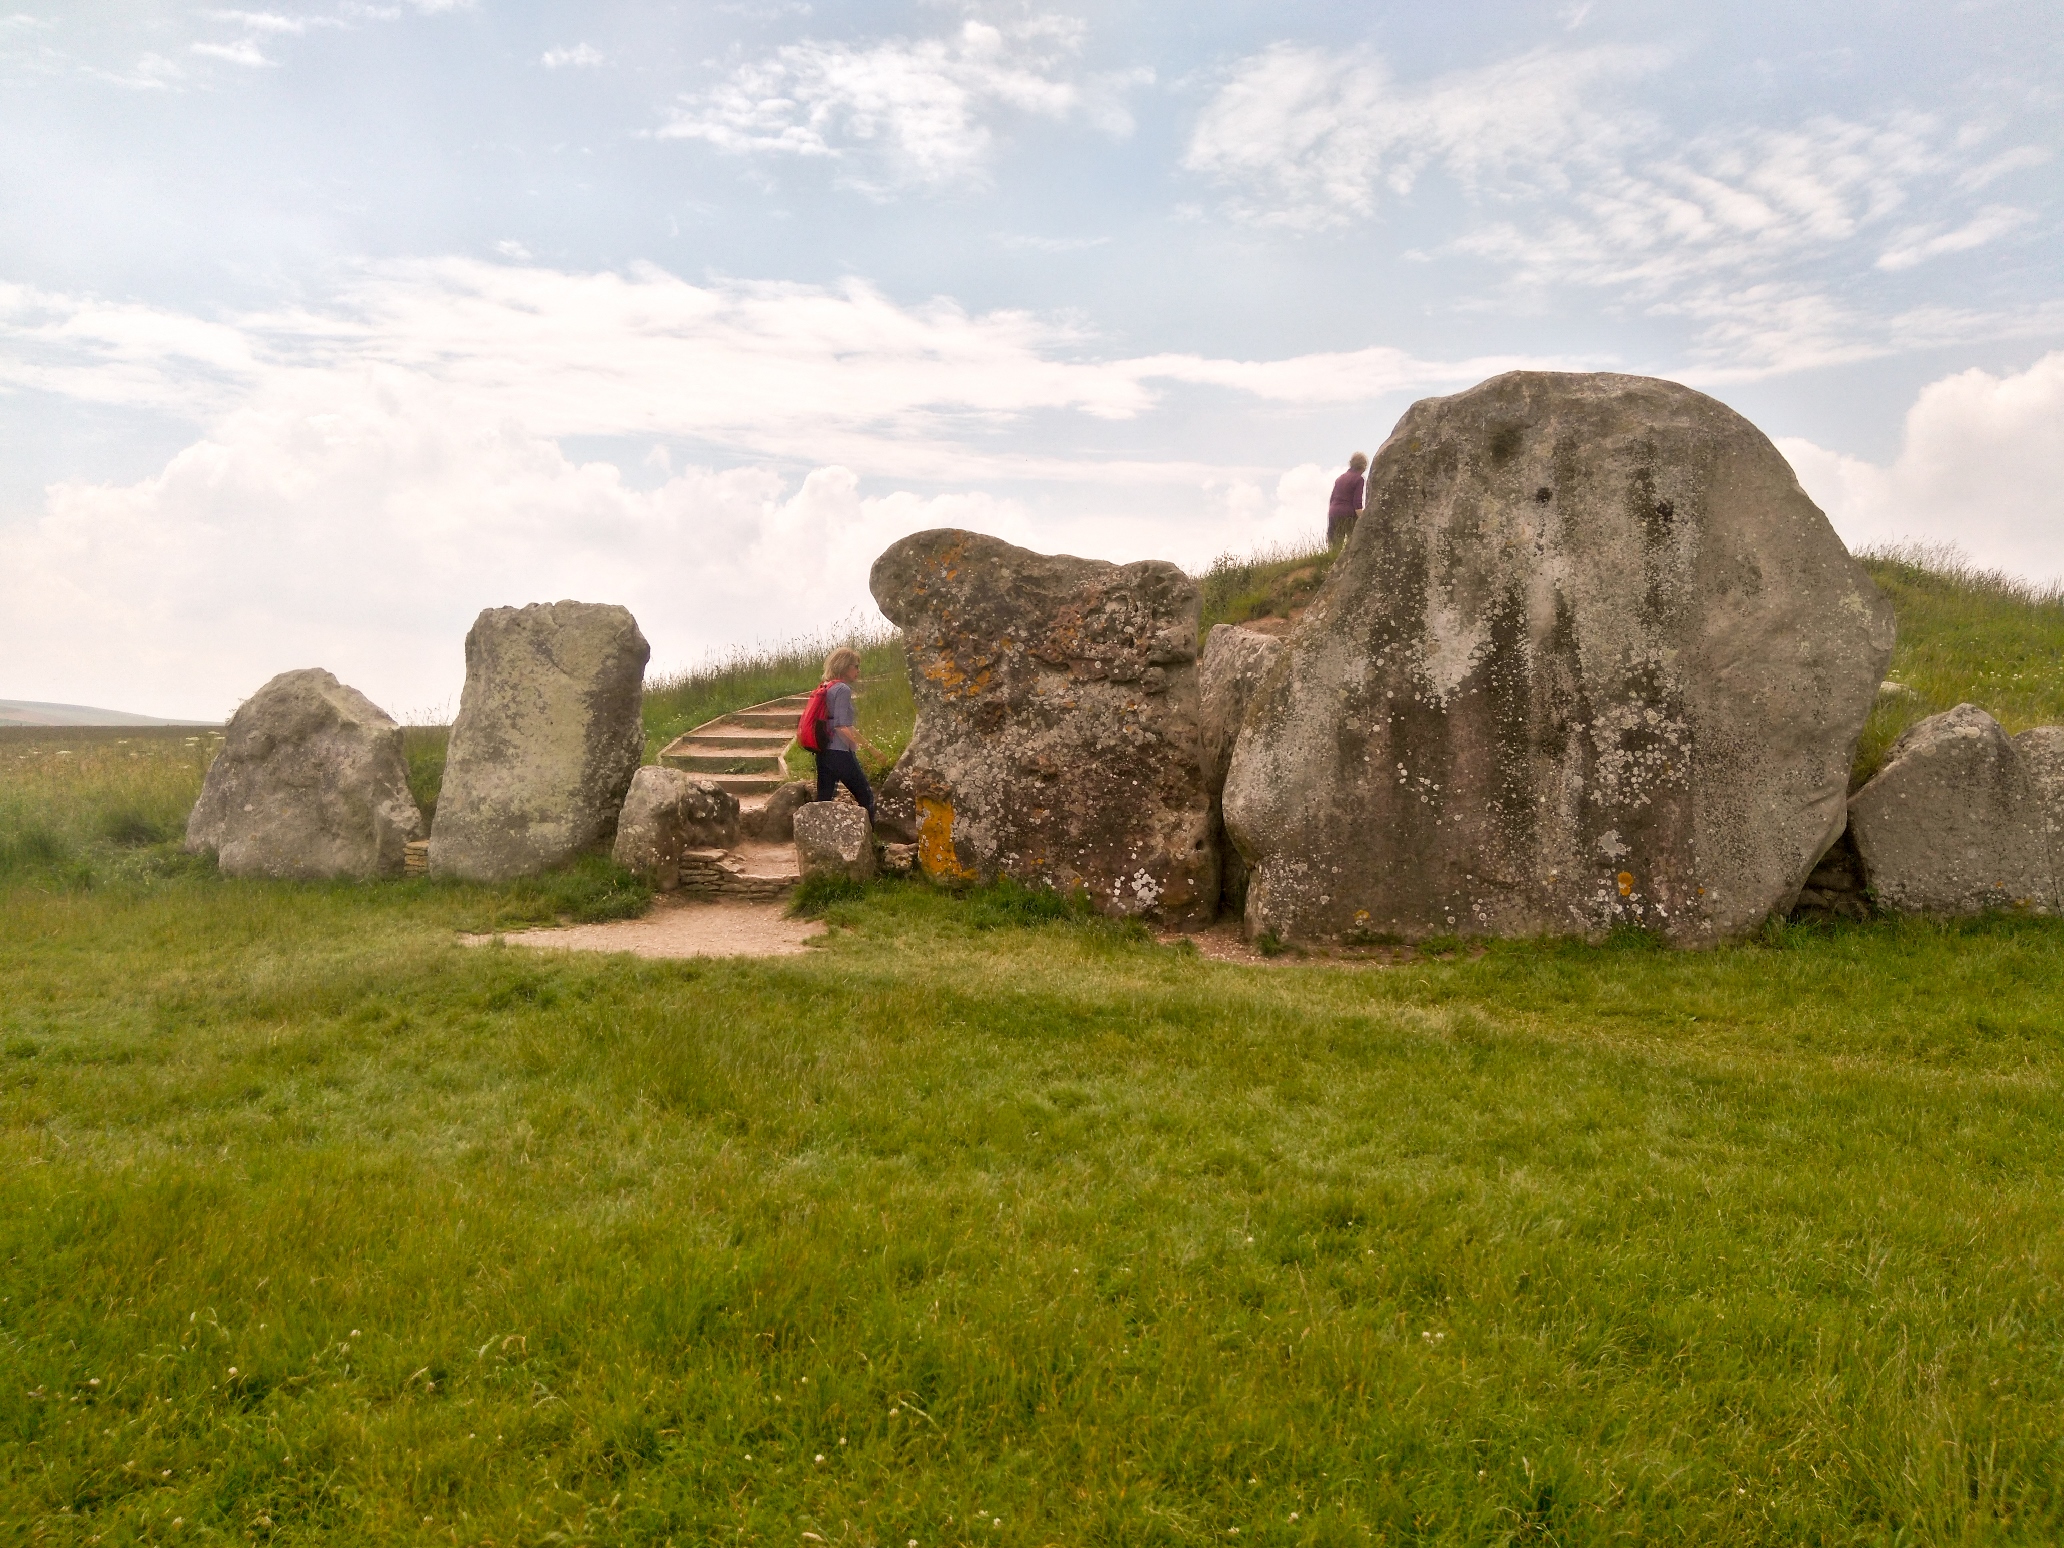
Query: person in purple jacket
{"type": "Point", "coordinates": [1346, 504]}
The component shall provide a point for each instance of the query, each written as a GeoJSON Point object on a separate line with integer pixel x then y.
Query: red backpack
{"type": "Point", "coordinates": [814, 715]}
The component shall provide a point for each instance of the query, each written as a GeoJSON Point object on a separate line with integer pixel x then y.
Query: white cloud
{"type": "Point", "coordinates": [1309, 137]}
{"type": "Point", "coordinates": [1748, 232]}
{"type": "Point", "coordinates": [269, 21]}
{"type": "Point", "coordinates": [1917, 244]}
{"type": "Point", "coordinates": [359, 525]}
{"type": "Point", "coordinates": [1980, 467]}
{"type": "Point", "coordinates": [905, 113]}
{"type": "Point", "coordinates": [580, 56]}
{"type": "Point", "coordinates": [371, 472]}
{"type": "Point", "coordinates": [242, 52]}
{"type": "Point", "coordinates": [762, 369]}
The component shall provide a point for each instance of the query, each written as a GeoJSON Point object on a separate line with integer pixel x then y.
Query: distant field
{"type": "Point", "coordinates": [27, 712]}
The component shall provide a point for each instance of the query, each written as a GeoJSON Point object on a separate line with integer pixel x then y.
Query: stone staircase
{"type": "Point", "coordinates": [742, 751]}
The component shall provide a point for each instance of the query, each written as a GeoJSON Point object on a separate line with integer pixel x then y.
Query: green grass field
{"type": "Point", "coordinates": [988, 1223]}
{"type": "Point", "coordinates": [319, 1227]}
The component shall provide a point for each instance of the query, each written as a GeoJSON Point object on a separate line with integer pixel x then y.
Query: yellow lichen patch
{"type": "Point", "coordinates": [935, 850]}
{"type": "Point", "coordinates": [1626, 881]}
{"type": "Point", "coordinates": [946, 673]}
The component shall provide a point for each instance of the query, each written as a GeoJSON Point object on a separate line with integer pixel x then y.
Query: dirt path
{"type": "Point", "coordinates": [675, 928]}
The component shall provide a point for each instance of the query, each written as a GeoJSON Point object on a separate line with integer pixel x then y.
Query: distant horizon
{"type": "Point", "coordinates": [14, 715]}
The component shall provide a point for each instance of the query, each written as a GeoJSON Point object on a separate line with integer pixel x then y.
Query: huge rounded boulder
{"type": "Point", "coordinates": [1591, 658]}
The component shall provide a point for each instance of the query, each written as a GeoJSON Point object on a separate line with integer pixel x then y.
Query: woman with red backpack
{"type": "Point", "coordinates": [830, 730]}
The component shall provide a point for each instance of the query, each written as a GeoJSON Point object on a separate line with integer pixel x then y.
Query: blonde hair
{"type": "Point", "coordinates": [1358, 460]}
{"type": "Point", "coordinates": [843, 662]}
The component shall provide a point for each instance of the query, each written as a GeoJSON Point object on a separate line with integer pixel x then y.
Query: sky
{"type": "Point", "coordinates": [324, 326]}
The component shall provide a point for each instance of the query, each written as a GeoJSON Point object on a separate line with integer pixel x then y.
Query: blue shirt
{"type": "Point", "coordinates": [838, 706]}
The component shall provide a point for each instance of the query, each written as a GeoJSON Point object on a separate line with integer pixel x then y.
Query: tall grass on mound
{"type": "Point", "coordinates": [73, 801]}
{"type": "Point", "coordinates": [680, 701]}
{"type": "Point", "coordinates": [424, 748]}
{"type": "Point", "coordinates": [1966, 635]}
{"type": "Point", "coordinates": [1268, 583]}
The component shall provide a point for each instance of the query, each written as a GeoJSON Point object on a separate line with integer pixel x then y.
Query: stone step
{"type": "Point", "coordinates": [720, 762]}
{"type": "Point", "coordinates": [725, 736]}
{"type": "Point", "coordinates": [757, 720]}
{"type": "Point", "coordinates": [742, 785]}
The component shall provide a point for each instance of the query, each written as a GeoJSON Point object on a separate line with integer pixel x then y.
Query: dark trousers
{"type": "Point", "coordinates": [835, 767]}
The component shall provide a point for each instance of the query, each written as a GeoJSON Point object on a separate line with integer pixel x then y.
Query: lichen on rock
{"type": "Point", "coordinates": [310, 784]}
{"type": "Point", "coordinates": [1056, 739]}
{"type": "Point", "coordinates": [1591, 658]}
{"type": "Point", "coordinates": [547, 738]}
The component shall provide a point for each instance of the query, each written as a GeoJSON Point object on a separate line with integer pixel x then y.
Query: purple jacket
{"type": "Point", "coordinates": [1347, 494]}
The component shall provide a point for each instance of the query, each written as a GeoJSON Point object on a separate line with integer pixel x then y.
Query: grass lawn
{"type": "Point", "coordinates": [319, 1227]}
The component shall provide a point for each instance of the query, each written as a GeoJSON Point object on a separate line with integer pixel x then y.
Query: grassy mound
{"type": "Point", "coordinates": [1276, 583]}
{"type": "Point", "coordinates": [1966, 636]}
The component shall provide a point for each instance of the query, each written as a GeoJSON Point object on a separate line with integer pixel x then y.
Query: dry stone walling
{"type": "Point", "coordinates": [1591, 657]}
{"type": "Point", "coordinates": [1962, 818]}
{"type": "Point", "coordinates": [546, 741]}
{"type": "Point", "coordinates": [310, 784]}
{"type": "Point", "coordinates": [1056, 737]}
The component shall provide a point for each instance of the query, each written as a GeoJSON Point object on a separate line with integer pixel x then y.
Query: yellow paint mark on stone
{"type": "Point", "coordinates": [935, 850]}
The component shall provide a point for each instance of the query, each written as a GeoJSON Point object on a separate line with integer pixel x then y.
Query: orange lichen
{"type": "Point", "coordinates": [1626, 881]}
{"type": "Point", "coordinates": [935, 851]}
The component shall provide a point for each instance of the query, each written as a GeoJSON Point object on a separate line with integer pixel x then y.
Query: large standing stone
{"type": "Point", "coordinates": [667, 813]}
{"type": "Point", "coordinates": [834, 839]}
{"type": "Point", "coordinates": [310, 783]}
{"type": "Point", "coordinates": [548, 737]}
{"type": "Point", "coordinates": [1056, 737]}
{"type": "Point", "coordinates": [2041, 751]}
{"type": "Point", "coordinates": [1953, 823]}
{"type": "Point", "coordinates": [1591, 657]}
{"type": "Point", "coordinates": [1234, 665]}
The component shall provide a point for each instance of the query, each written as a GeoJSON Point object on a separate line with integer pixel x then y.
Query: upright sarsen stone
{"type": "Point", "coordinates": [1056, 737]}
{"type": "Point", "coordinates": [310, 784]}
{"type": "Point", "coordinates": [1591, 657]}
{"type": "Point", "coordinates": [1235, 663]}
{"type": "Point", "coordinates": [548, 736]}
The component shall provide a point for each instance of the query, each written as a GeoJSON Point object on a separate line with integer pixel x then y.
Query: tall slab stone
{"type": "Point", "coordinates": [1591, 658]}
{"type": "Point", "coordinates": [1954, 822]}
{"type": "Point", "coordinates": [1056, 737]}
{"type": "Point", "coordinates": [311, 784]}
{"type": "Point", "coordinates": [548, 737]}
{"type": "Point", "coordinates": [1234, 665]}
{"type": "Point", "coordinates": [2041, 752]}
